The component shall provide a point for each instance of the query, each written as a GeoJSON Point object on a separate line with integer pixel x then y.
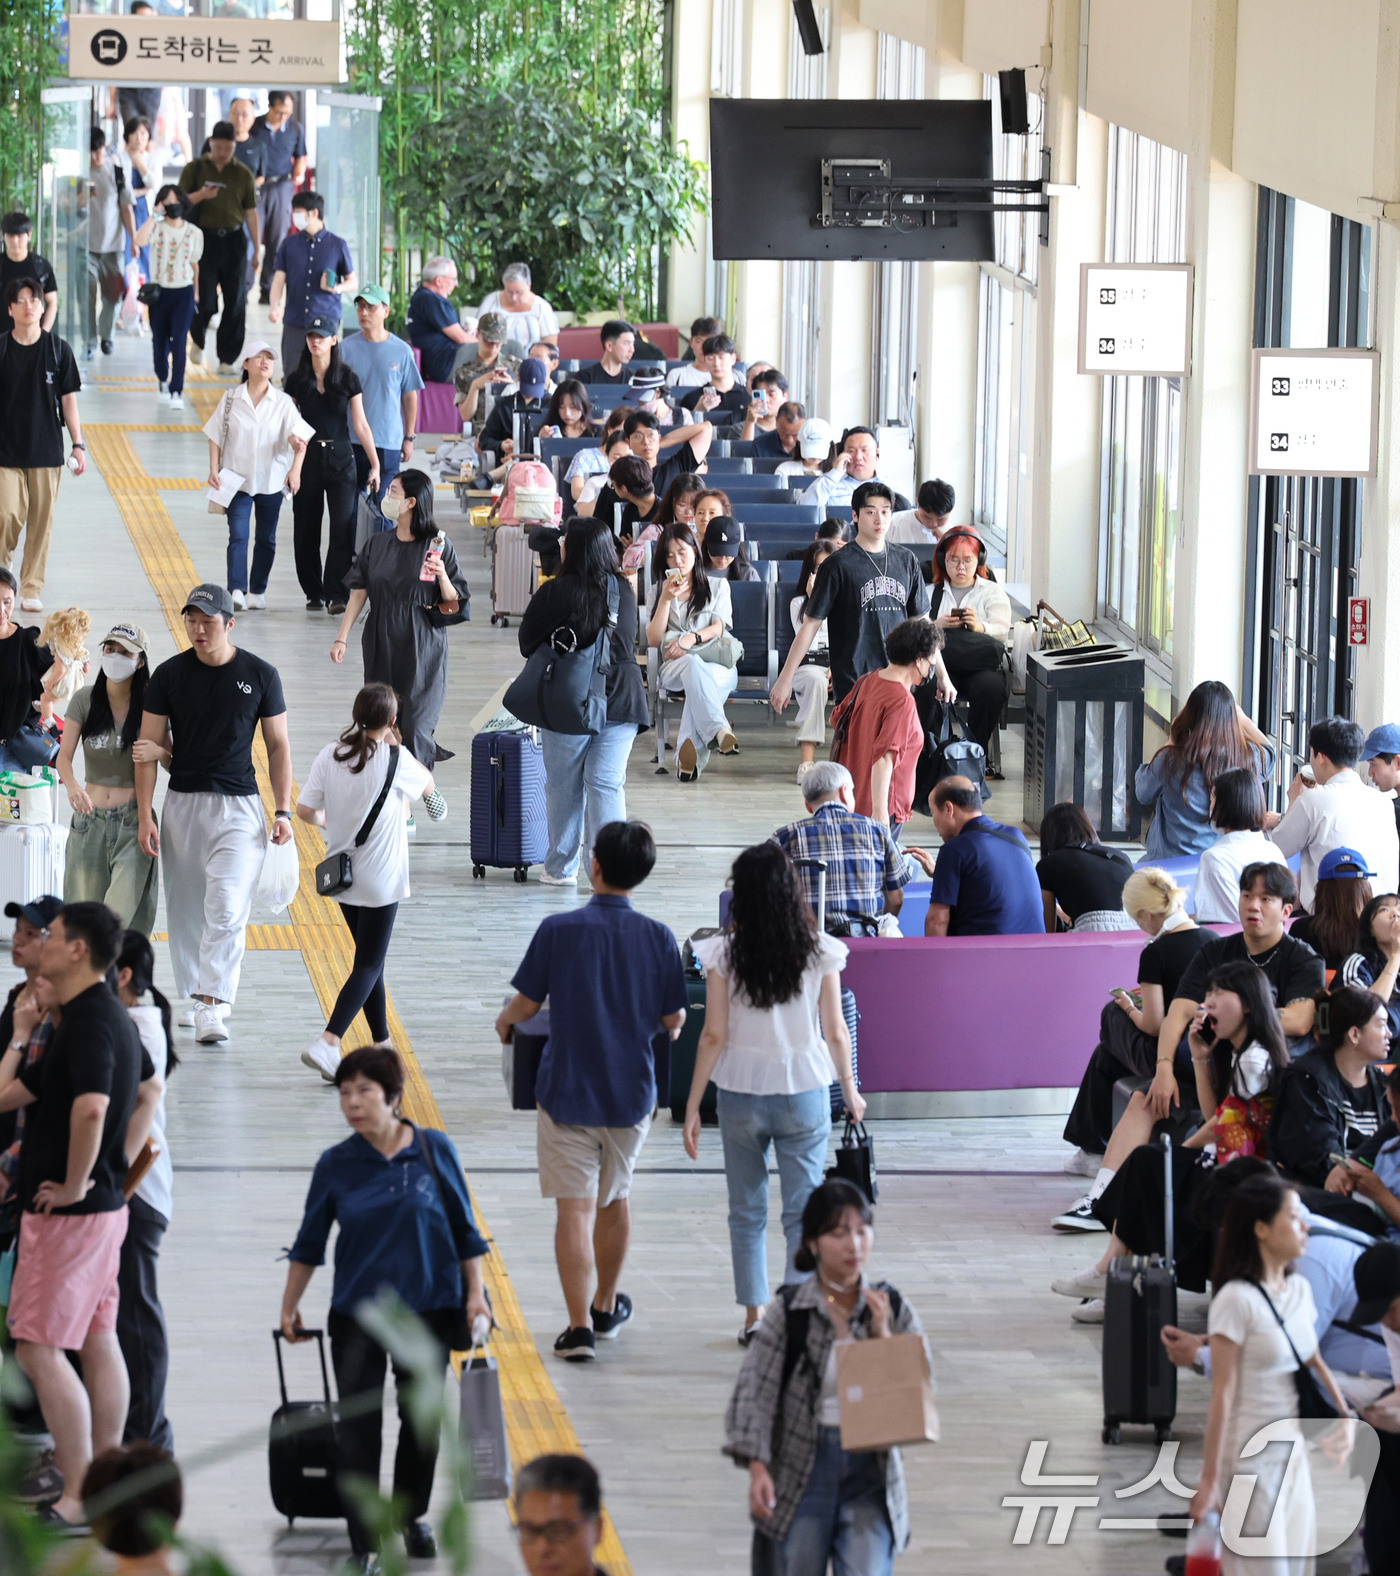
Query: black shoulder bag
{"type": "Point", "coordinates": [1313, 1400]}
{"type": "Point", "coordinates": [335, 874]}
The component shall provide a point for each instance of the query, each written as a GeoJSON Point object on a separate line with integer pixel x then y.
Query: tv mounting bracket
{"type": "Point", "coordinates": [863, 194]}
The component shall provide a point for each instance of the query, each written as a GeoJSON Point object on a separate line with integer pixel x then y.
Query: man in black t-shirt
{"type": "Point", "coordinates": [862, 592]}
{"type": "Point", "coordinates": [39, 385]}
{"type": "Point", "coordinates": [87, 1099]}
{"type": "Point", "coordinates": [212, 699]}
{"type": "Point", "coordinates": [20, 263]}
{"type": "Point", "coordinates": [619, 341]}
{"type": "Point", "coordinates": [724, 400]}
{"type": "Point", "coordinates": [684, 452]}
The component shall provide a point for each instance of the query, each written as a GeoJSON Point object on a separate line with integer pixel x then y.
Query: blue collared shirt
{"type": "Point", "coordinates": [284, 145]}
{"type": "Point", "coordinates": [393, 1231]}
{"type": "Point", "coordinates": [303, 258]}
{"type": "Point", "coordinates": [986, 875]}
{"type": "Point", "coordinates": [610, 975]}
{"type": "Point", "coordinates": [863, 861]}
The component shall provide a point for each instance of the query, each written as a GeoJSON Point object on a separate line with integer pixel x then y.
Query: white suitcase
{"type": "Point", "coordinates": [514, 572]}
{"type": "Point", "coordinates": [31, 862]}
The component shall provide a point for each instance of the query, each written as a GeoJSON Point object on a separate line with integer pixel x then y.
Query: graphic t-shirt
{"type": "Point", "coordinates": [214, 712]}
{"type": "Point", "coordinates": [862, 596]}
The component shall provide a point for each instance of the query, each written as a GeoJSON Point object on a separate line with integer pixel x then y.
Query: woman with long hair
{"type": "Point", "coordinates": [1081, 881]}
{"type": "Point", "coordinates": [1237, 815]}
{"type": "Point", "coordinates": [586, 774]}
{"type": "Point", "coordinates": [569, 414]}
{"type": "Point", "coordinates": [1238, 1054]}
{"type": "Point", "coordinates": [678, 506]}
{"type": "Point", "coordinates": [1209, 735]}
{"type": "Point", "coordinates": [140, 1322]}
{"type": "Point", "coordinates": [1339, 900]}
{"type": "Point", "coordinates": [1128, 1028]}
{"type": "Point", "coordinates": [770, 979]}
{"type": "Point", "coordinates": [329, 396]}
{"type": "Point", "coordinates": [176, 244]}
{"type": "Point", "coordinates": [366, 767]}
{"type": "Point", "coordinates": [407, 575]}
{"type": "Point", "coordinates": [105, 862]}
{"type": "Point", "coordinates": [589, 468]}
{"type": "Point", "coordinates": [688, 609]}
{"type": "Point", "coordinates": [1375, 963]}
{"type": "Point", "coordinates": [1262, 1330]}
{"type": "Point", "coordinates": [811, 684]}
{"type": "Point", "coordinates": [814, 1504]}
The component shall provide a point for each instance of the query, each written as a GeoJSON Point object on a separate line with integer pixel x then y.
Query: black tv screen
{"type": "Point", "coordinates": [766, 174]}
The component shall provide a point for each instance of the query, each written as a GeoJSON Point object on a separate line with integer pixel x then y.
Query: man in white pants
{"type": "Point", "coordinates": [212, 699]}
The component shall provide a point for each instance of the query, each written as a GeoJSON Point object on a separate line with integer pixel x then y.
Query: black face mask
{"type": "Point", "coordinates": [173, 210]}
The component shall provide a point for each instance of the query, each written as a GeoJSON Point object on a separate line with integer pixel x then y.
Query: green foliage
{"type": "Point", "coordinates": [28, 58]}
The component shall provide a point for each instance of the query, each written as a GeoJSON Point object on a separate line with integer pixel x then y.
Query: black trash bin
{"type": "Point", "coordinates": [1084, 736]}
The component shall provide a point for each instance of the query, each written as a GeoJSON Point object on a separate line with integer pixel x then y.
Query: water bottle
{"type": "Point", "coordinates": [435, 546]}
{"type": "Point", "coordinates": [1203, 1546]}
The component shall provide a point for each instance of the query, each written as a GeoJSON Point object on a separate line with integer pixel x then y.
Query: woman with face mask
{"type": "Point", "coordinates": [176, 246]}
{"type": "Point", "coordinates": [104, 863]}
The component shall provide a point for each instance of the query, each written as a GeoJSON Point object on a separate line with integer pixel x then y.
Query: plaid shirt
{"type": "Point", "coordinates": [788, 1445]}
{"type": "Point", "coordinates": [863, 862]}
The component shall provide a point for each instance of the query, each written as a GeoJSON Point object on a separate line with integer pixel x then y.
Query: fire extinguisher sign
{"type": "Point", "coordinates": [1358, 621]}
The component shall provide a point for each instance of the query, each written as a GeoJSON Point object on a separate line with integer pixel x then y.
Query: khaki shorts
{"type": "Point", "coordinates": [587, 1162]}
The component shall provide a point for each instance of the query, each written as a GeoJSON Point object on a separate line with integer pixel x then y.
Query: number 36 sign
{"type": "Point", "coordinates": [1314, 412]}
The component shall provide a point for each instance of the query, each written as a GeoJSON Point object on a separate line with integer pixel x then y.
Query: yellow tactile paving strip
{"type": "Point", "coordinates": [178, 483]}
{"type": "Point", "coordinates": [535, 1417]}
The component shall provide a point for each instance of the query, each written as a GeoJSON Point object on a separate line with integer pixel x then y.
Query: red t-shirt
{"type": "Point", "coordinates": [884, 718]}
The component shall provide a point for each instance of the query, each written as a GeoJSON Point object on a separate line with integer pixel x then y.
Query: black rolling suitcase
{"type": "Point", "coordinates": [1139, 1379]}
{"type": "Point", "coordinates": [682, 1059]}
{"type": "Point", "coordinates": [301, 1464]}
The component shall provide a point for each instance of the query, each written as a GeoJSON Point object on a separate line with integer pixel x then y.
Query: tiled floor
{"type": "Point", "coordinates": [964, 1206]}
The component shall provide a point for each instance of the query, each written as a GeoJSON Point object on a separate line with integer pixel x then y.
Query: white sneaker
{"type": "Point", "coordinates": [31, 604]}
{"type": "Point", "coordinates": [1080, 1217]}
{"type": "Point", "coordinates": [239, 601]}
{"type": "Point", "coordinates": [177, 402]}
{"type": "Point", "coordinates": [209, 1025]}
{"type": "Point", "coordinates": [322, 1058]}
{"type": "Point", "coordinates": [225, 370]}
{"type": "Point", "coordinates": [1087, 1283]}
{"type": "Point", "coordinates": [803, 769]}
{"type": "Point", "coordinates": [196, 356]}
{"type": "Point", "coordinates": [1082, 1164]}
{"type": "Point", "coordinates": [548, 880]}
{"type": "Point", "coordinates": [257, 599]}
{"type": "Point", "coordinates": [1090, 1311]}
{"type": "Point", "coordinates": [162, 391]}
{"type": "Point", "coordinates": [187, 1012]}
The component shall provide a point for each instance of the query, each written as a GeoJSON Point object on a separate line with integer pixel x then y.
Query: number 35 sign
{"type": "Point", "coordinates": [1314, 412]}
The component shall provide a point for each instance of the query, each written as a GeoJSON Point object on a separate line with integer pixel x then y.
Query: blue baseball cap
{"type": "Point", "coordinates": [1342, 864]}
{"type": "Point", "coordinates": [533, 376]}
{"type": "Point", "coordinates": [1384, 740]}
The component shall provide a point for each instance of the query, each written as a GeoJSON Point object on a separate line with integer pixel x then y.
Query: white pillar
{"type": "Point", "coordinates": [690, 116]}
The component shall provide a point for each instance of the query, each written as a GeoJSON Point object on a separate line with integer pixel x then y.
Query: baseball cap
{"type": "Point", "coordinates": [723, 536]}
{"type": "Point", "coordinates": [376, 295]}
{"type": "Point", "coordinates": [209, 599]}
{"type": "Point", "coordinates": [650, 377]}
{"type": "Point", "coordinates": [130, 637]}
{"type": "Point", "coordinates": [1384, 740]}
{"type": "Point", "coordinates": [814, 439]}
{"type": "Point", "coordinates": [324, 327]}
{"type": "Point", "coordinates": [40, 913]}
{"type": "Point", "coordinates": [1377, 1277]}
{"type": "Point", "coordinates": [493, 328]}
{"type": "Point", "coordinates": [255, 349]}
{"type": "Point", "coordinates": [1342, 864]}
{"type": "Point", "coordinates": [533, 376]}
{"type": "Point", "coordinates": [222, 132]}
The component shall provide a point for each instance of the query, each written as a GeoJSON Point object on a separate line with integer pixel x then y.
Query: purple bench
{"type": "Point", "coordinates": [437, 408]}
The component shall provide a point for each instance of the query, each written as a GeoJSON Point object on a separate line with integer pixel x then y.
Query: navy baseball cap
{"type": "Point", "coordinates": [1343, 864]}
{"type": "Point", "coordinates": [533, 376]}
{"type": "Point", "coordinates": [323, 327]}
{"type": "Point", "coordinates": [41, 913]}
{"type": "Point", "coordinates": [1384, 740]}
{"type": "Point", "coordinates": [209, 599]}
{"type": "Point", "coordinates": [723, 536]}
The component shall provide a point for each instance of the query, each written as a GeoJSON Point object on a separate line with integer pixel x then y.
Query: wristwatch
{"type": "Point", "coordinates": [281, 815]}
{"type": "Point", "coordinates": [81, 446]}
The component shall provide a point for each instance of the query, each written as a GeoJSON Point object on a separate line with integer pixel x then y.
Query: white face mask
{"type": "Point", "coordinates": [391, 507]}
{"type": "Point", "coordinates": [119, 666]}
{"type": "Point", "coordinates": [299, 218]}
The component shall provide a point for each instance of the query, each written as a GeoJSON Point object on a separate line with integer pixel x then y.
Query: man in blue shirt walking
{"type": "Point", "coordinates": [285, 142]}
{"type": "Point", "coordinates": [613, 979]}
{"type": "Point", "coordinates": [389, 383]}
{"type": "Point", "coordinates": [984, 880]}
{"type": "Point", "coordinates": [305, 260]}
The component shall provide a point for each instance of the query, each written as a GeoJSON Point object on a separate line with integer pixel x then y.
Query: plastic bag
{"type": "Point", "coordinates": [280, 875]}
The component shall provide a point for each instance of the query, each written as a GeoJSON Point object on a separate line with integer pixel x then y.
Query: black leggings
{"type": "Point", "coordinates": [371, 928]}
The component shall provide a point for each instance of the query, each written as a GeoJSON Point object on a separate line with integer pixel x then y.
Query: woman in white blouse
{"type": "Point", "coordinates": [1262, 1332]}
{"type": "Point", "coordinates": [688, 609]}
{"type": "Point", "coordinates": [974, 614]}
{"type": "Point", "coordinates": [769, 981]}
{"type": "Point", "coordinates": [811, 684]}
{"type": "Point", "coordinates": [176, 245]}
{"type": "Point", "coordinates": [257, 433]}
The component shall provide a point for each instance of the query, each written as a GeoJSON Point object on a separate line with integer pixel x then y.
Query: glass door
{"type": "Point", "coordinates": [347, 176]}
{"type": "Point", "coordinates": [61, 228]}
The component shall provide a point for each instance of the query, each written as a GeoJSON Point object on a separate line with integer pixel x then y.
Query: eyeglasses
{"type": "Point", "coordinates": [555, 1532]}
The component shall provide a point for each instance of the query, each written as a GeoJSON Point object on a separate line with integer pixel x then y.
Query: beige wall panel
{"type": "Point", "coordinates": [915, 21]}
{"type": "Point", "coordinates": [1140, 67]}
{"type": "Point", "coordinates": [999, 34]}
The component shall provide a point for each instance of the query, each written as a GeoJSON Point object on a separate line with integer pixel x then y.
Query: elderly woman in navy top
{"type": "Point", "coordinates": [398, 1195]}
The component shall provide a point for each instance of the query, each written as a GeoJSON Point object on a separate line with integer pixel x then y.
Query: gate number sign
{"type": "Point", "coordinates": [1313, 413]}
{"type": "Point", "coordinates": [1135, 318]}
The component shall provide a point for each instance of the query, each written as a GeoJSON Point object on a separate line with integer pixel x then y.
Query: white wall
{"type": "Point", "coordinates": [1139, 67]}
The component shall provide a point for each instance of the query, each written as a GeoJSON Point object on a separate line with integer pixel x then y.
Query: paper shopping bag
{"type": "Point", "coordinates": [484, 1428]}
{"type": "Point", "coordinates": [885, 1393]}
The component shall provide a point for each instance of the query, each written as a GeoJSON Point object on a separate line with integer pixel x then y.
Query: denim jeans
{"type": "Point", "coordinates": [585, 777]}
{"type": "Point", "coordinates": [797, 1126]}
{"type": "Point", "coordinates": [841, 1516]}
{"type": "Point", "coordinates": [389, 462]}
{"type": "Point", "coordinates": [267, 506]}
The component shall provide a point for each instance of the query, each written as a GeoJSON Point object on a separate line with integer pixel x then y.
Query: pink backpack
{"type": "Point", "coordinates": [530, 496]}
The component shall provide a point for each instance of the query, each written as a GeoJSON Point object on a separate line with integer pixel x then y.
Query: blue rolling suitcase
{"type": "Point", "coordinates": [509, 830]}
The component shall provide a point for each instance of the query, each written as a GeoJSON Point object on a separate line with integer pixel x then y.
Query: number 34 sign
{"type": "Point", "coordinates": [1314, 412]}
